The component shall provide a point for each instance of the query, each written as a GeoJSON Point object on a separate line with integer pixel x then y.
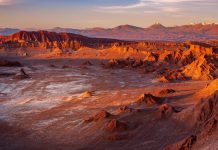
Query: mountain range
{"type": "Point", "coordinates": [8, 31]}
{"type": "Point", "coordinates": [46, 39]}
{"type": "Point", "coordinates": [156, 32]}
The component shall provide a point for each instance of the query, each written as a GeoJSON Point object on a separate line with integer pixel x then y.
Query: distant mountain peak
{"type": "Point", "coordinates": [126, 26]}
{"type": "Point", "coordinates": [96, 28]}
{"type": "Point", "coordinates": [157, 26]}
{"type": "Point", "coordinates": [8, 31]}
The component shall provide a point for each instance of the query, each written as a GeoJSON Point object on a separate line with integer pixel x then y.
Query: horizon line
{"type": "Point", "coordinates": [85, 28]}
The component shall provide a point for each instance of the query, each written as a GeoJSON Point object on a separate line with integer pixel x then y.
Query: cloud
{"type": "Point", "coordinates": [131, 6]}
{"type": "Point", "coordinates": [119, 8]}
{"type": "Point", "coordinates": [5, 2]}
{"type": "Point", "coordinates": [171, 9]}
{"type": "Point", "coordinates": [10, 2]}
{"type": "Point", "coordinates": [152, 5]}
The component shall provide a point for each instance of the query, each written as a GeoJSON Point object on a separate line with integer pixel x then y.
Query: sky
{"type": "Point", "coordinates": [46, 14]}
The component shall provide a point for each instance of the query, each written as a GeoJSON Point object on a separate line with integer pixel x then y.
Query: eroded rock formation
{"type": "Point", "coordinates": [149, 99]}
{"type": "Point", "coordinates": [98, 116]}
{"type": "Point", "coordinates": [52, 40]}
{"type": "Point", "coordinates": [204, 121]}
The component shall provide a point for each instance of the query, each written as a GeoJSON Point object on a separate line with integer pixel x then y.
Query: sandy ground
{"type": "Point", "coordinates": [47, 111]}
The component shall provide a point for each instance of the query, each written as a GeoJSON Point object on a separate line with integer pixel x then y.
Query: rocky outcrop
{"type": "Point", "coordinates": [98, 117]}
{"type": "Point", "coordinates": [171, 75]}
{"type": "Point", "coordinates": [209, 89]}
{"type": "Point", "coordinates": [162, 79]}
{"type": "Point", "coordinates": [115, 125]}
{"type": "Point", "coordinates": [50, 40]}
{"type": "Point", "coordinates": [126, 109]}
{"type": "Point", "coordinates": [149, 99]}
{"type": "Point", "coordinates": [200, 69]}
{"type": "Point", "coordinates": [166, 111]}
{"type": "Point", "coordinates": [124, 63]}
{"type": "Point", "coordinates": [87, 94]}
{"type": "Point", "coordinates": [166, 91]}
{"type": "Point", "coordinates": [171, 61]}
{"type": "Point", "coordinates": [203, 118]}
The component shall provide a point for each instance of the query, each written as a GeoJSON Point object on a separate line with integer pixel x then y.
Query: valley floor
{"type": "Point", "coordinates": [47, 111]}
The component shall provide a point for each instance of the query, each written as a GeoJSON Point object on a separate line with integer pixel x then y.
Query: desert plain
{"type": "Point", "coordinates": [66, 91]}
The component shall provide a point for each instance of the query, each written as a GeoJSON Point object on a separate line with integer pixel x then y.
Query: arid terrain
{"type": "Point", "coordinates": [155, 32]}
{"type": "Point", "coordinates": [67, 91]}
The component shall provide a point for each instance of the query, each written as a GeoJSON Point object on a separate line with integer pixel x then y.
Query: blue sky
{"type": "Point", "coordinates": [43, 14]}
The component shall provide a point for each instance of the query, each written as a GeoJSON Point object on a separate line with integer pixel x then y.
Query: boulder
{"type": "Point", "coordinates": [125, 109]}
{"type": "Point", "coordinates": [98, 117]}
{"type": "Point", "coordinates": [116, 125]}
{"type": "Point", "coordinates": [87, 94]}
{"type": "Point", "coordinates": [166, 111]}
{"type": "Point", "coordinates": [163, 79]}
{"type": "Point", "coordinates": [149, 99]}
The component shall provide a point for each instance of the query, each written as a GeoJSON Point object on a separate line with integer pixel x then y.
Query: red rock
{"type": "Point", "coordinates": [203, 119]}
{"type": "Point", "coordinates": [163, 79]}
{"type": "Point", "coordinates": [116, 125]}
{"type": "Point", "coordinates": [166, 91]}
{"type": "Point", "coordinates": [98, 117]}
{"type": "Point", "coordinates": [45, 39]}
{"type": "Point", "coordinates": [165, 111]}
{"type": "Point", "coordinates": [125, 109]}
{"type": "Point", "coordinates": [149, 99]}
{"type": "Point", "coordinates": [200, 69]}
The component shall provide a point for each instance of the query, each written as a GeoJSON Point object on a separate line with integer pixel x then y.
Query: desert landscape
{"type": "Point", "coordinates": [66, 91]}
{"type": "Point", "coordinates": [75, 75]}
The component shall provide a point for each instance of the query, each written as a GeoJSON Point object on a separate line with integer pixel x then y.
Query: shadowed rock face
{"type": "Point", "coordinates": [124, 63]}
{"type": "Point", "coordinates": [6, 63]}
{"type": "Point", "coordinates": [204, 122]}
